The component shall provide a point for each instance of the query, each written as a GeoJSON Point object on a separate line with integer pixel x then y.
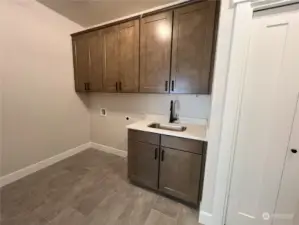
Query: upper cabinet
{"type": "Point", "coordinates": [81, 61]}
{"type": "Point", "coordinates": [167, 52]}
{"type": "Point", "coordinates": [193, 38]}
{"type": "Point", "coordinates": [155, 52]}
{"type": "Point", "coordinates": [95, 61]}
{"type": "Point", "coordinates": [128, 42]}
{"type": "Point", "coordinates": [88, 65]}
{"type": "Point", "coordinates": [107, 60]}
{"type": "Point", "coordinates": [110, 58]}
{"type": "Point", "coordinates": [121, 57]}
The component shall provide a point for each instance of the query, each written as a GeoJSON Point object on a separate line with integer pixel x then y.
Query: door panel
{"type": "Point", "coordinates": [143, 163]}
{"type": "Point", "coordinates": [155, 53]}
{"type": "Point", "coordinates": [111, 59]}
{"type": "Point", "coordinates": [129, 56]}
{"type": "Point", "coordinates": [287, 210]}
{"type": "Point", "coordinates": [193, 34]}
{"type": "Point", "coordinates": [96, 61]}
{"type": "Point", "coordinates": [287, 206]}
{"type": "Point", "coordinates": [81, 61]}
{"type": "Point", "coordinates": [180, 174]}
{"type": "Point", "coordinates": [266, 117]}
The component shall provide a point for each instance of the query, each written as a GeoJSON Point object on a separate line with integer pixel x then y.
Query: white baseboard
{"type": "Point", "coordinates": [7, 179]}
{"type": "Point", "coordinates": [109, 149]}
{"type": "Point", "coordinates": [205, 217]}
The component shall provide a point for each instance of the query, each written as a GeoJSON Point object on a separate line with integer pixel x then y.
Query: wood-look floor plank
{"type": "Point", "coordinates": [90, 188]}
{"type": "Point", "coordinates": [68, 216]}
{"type": "Point", "coordinates": [157, 218]}
{"type": "Point", "coordinates": [188, 216]}
{"type": "Point", "coordinates": [167, 206]}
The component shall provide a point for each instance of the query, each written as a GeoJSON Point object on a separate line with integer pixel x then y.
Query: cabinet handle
{"type": "Point", "coordinates": [116, 87]}
{"type": "Point", "coordinates": [162, 156]}
{"type": "Point", "coordinates": [172, 85]}
{"type": "Point", "coordinates": [156, 153]}
{"type": "Point", "coordinates": [85, 86]}
{"type": "Point", "coordinates": [294, 151]}
{"type": "Point", "coordinates": [120, 86]}
{"type": "Point", "coordinates": [166, 85]}
{"type": "Point", "coordinates": [88, 86]}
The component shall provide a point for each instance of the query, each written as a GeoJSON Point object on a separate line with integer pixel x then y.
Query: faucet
{"type": "Point", "coordinates": [173, 116]}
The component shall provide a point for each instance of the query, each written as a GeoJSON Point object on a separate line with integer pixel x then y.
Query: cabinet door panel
{"type": "Point", "coordinates": [155, 53]}
{"type": "Point", "coordinates": [129, 56]}
{"type": "Point", "coordinates": [81, 61]}
{"type": "Point", "coordinates": [180, 174]}
{"type": "Point", "coordinates": [110, 51]}
{"type": "Point", "coordinates": [193, 34]}
{"type": "Point", "coordinates": [96, 61]}
{"type": "Point", "coordinates": [143, 163]}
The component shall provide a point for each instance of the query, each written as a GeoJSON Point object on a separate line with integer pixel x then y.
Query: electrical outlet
{"type": "Point", "coordinates": [103, 112]}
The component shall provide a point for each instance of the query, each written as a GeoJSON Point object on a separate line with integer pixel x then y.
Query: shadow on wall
{"type": "Point", "coordinates": [99, 11]}
{"type": "Point", "coordinates": [84, 98]}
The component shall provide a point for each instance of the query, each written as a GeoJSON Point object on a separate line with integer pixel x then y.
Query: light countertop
{"type": "Point", "coordinates": [193, 131]}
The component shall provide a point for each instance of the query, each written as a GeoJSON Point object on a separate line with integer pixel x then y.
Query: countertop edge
{"type": "Point", "coordinates": [169, 133]}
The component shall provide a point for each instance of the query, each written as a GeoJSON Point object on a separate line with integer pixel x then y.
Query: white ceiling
{"type": "Point", "coordinates": [91, 12]}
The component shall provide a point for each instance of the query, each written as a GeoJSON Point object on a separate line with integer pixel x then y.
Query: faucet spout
{"type": "Point", "coordinates": [172, 117]}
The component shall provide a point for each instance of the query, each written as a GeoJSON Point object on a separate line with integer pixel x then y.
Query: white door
{"type": "Point", "coordinates": [287, 209]}
{"type": "Point", "coordinates": [267, 113]}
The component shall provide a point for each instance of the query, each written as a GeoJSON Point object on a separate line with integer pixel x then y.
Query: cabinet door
{"type": "Point", "coordinates": [129, 56]}
{"type": "Point", "coordinates": [111, 56]}
{"type": "Point", "coordinates": [81, 61]}
{"type": "Point", "coordinates": [180, 174]}
{"type": "Point", "coordinates": [193, 34]}
{"type": "Point", "coordinates": [143, 163]}
{"type": "Point", "coordinates": [96, 61]}
{"type": "Point", "coordinates": [155, 53]}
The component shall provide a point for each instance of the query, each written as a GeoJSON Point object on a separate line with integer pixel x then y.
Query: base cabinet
{"type": "Point", "coordinates": [154, 162]}
{"type": "Point", "coordinates": [180, 174]}
{"type": "Point", "coordinates": [144, 163]}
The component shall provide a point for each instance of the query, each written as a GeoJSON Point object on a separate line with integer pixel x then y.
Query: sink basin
{"type": "Point", "coordinates": [168, 127]}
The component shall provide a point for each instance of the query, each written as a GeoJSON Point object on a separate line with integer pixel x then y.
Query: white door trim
{"type": "Point", "coordinates": [236, 76]}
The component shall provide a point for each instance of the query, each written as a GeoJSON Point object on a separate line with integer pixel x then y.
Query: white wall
{"type": "Point", "coordinates": [111, 130]}
{"type": "Point", "coordinates": [42, 115]}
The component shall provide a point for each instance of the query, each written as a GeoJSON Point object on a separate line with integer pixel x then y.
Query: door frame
{"type": "Point", "coordinates": [244, 10]}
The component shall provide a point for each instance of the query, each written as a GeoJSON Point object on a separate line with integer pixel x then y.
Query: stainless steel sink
{"type": "Point", "coordinates": [168, 127]}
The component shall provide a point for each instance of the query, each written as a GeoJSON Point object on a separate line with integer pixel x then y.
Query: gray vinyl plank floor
{"type": "Point", "coordinates": [90, 188]}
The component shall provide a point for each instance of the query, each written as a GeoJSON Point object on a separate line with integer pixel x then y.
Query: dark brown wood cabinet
{"type": "Point", "coordinates": [155, 49]}
{"type": "Point", "coordinates": [144, 163]}
{"type": "Point", "coordinates": [95, 82]}
{"type": "Point", "coordinates": [128, 42]}
{"type": "Point", "coordinates": [110, 58]}
{"type": "Point", "coordinates": [180, 173]}
{"type": "Point", "coordinates": [88, 65]}
{"type": "Point", "coordinates": [175, 171]}
{"type": "Point", "coordinates": [193, 33]}
{"type": "Point", "coordinates": [81, 62]}
{"type": "Point", "coordinates": [169, 51]}
{"type": "Point", "coordinates": [121, 57]}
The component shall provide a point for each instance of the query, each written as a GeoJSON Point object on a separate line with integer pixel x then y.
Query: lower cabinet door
{"type": "Point", "coordinates": [143, 163]}
{"type": "Point", "coordinates": [180, 174]}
